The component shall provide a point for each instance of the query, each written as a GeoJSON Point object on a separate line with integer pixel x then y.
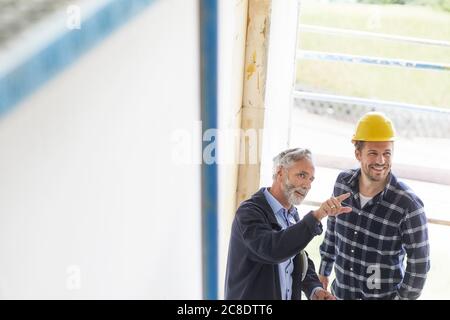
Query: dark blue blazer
{"type": "Point", "coordinates": [258, 244]}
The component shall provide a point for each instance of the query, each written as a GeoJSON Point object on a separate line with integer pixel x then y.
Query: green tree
{"type": "Point", "coordinates": [442, 4]}
{"type": "Point", "coordinates": [445, 4]}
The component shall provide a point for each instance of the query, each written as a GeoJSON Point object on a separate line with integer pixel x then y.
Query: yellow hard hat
{"type": "Point", "coordinates": [374, 126]}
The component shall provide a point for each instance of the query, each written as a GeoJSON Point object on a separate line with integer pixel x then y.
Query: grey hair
{"type": "Point", "coordinates": [286, 158]}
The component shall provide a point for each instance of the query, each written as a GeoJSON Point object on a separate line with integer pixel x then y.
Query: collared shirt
{"type": "Point", "coordinates": [369, 244]}
{"type": "Point", "coordinates": [285, 218]}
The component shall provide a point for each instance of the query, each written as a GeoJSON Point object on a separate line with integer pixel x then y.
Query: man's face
{"type": "Point", "coordinates": [296, 181]}
{"type": "Point", "coordinates": [375, 159]}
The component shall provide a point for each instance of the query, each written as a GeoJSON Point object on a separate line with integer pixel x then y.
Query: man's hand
{"type": "Point", "coordinates": [324, 280]}
{"type": "Point", "coordinates": [332, 207]}
{"type": "Point", "coordinates": [322, 294]}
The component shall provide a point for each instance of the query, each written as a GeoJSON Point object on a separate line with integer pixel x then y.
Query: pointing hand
{"type": "Point", "coordinates": [332, 207]}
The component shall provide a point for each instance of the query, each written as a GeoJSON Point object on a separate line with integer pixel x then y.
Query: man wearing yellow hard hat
{"type": "Point", "coordinates": [387, 224]}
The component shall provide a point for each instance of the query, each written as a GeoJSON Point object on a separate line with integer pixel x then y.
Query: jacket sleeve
{"type": "Point", "coordinates": [414, 235]}
{"type": "Point", "coordinates": [271, 246]}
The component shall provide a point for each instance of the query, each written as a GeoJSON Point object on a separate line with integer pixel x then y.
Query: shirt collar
{"type": "Point", "coordinates": [275, 204]}
{"type": "Point", "coordinates": [353, 181]}
{"type": "Point", "coordinates": [391, 179]}
{"type": "Point", "coordinates": [354, 184]}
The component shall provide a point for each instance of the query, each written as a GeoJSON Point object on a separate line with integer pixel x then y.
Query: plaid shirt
{"type": "Point", "coordinates": [369, 244]}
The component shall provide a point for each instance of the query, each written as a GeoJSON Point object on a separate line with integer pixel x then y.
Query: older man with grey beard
{"type": "Point", "coordinates": [266, 258]}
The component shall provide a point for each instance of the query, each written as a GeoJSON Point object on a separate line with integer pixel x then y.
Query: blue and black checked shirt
{"type": "Point", "coordinates": [369, 244]}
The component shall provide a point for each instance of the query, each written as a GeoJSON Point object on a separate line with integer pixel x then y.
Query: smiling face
{"type": "Point", "coordinates": [296, 181]}
{"type": "Point", "coordinates": [375, 159]}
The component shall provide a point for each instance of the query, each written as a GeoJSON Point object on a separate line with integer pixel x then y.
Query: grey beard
{"type": "Point", "coordinates": [289, 193]}
{"type": "Point", "coordinates": [294, 200]}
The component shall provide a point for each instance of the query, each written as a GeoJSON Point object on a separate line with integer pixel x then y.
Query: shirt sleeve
{"type": "Point", "coordinates": [414, 236]}
{"type": "Point", "coordinates": [327, 249]}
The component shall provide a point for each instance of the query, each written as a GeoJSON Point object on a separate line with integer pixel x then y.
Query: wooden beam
{"type": "Point", "coordinates": [253, 101]}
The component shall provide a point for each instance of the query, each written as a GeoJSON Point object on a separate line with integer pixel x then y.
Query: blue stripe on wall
{"type": "Point", "coordinates": [63, 51]}
{"type": "Point", "coordinates": [209, 69]}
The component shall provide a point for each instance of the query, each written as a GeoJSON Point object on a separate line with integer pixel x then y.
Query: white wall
{"type": "Point", "coordinates": [91, 203]}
